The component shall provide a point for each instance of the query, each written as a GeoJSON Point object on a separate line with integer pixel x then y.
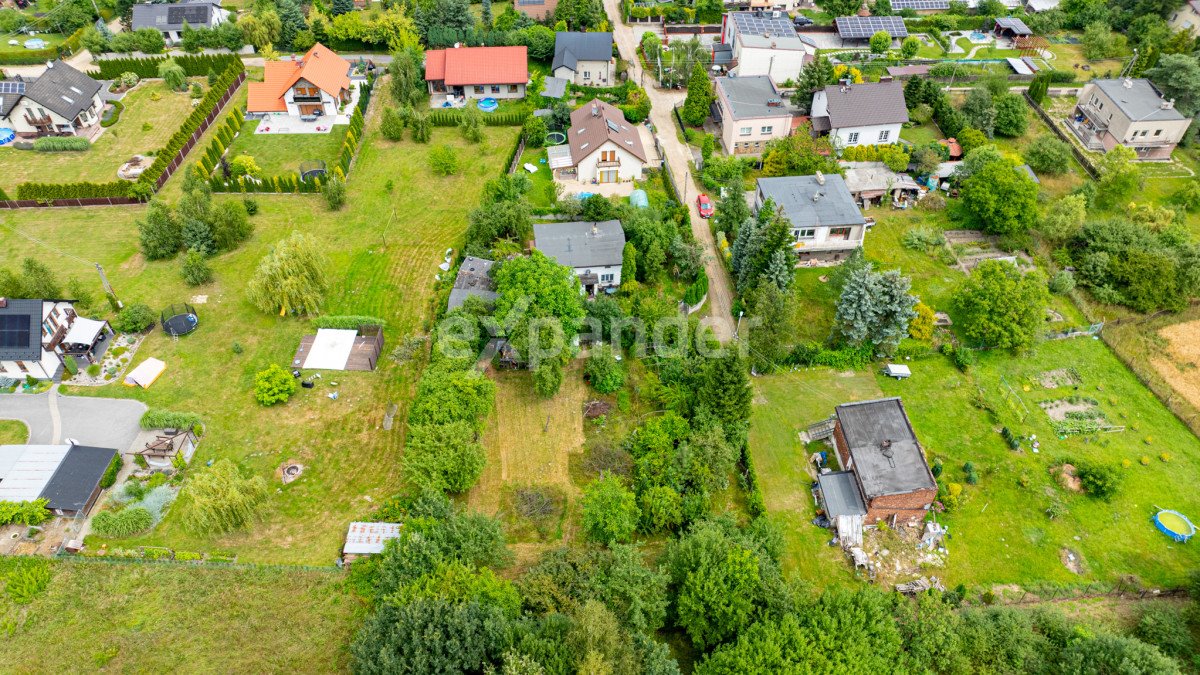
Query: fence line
{"type": "Point", "coordinates": [162, 178]}
{"type": "Point", "coordinates": [114, 560]}
{"type": "Point", "coordinates": [1084, 161]}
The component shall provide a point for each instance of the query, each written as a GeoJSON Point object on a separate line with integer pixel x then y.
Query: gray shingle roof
{"type": "Point", "coordinates": [11, 91]}
{"type": "Point", "coordinates": [63, 89]}
{"type": "Point", "coordinates": [807, 203]}
{"type": "Point", "coordinates": [749, 96]}
{"type": "Point", "coordinates": [77, 477]}
{"type": "Point", "coordinates": [571, 48]}
{"type": "Point", "coordinates": [21, 330]}
{"type": "Point", "coordinates": [864, 105]}
{"type": "Point", "coordinates": [474, 279]}
{"type": "Point", "coordinates": [170, 17]}
{"type": "Point", "coordinates": [886, 455]}
{"type": "Point", "coordinates": [841, 494]}
{"type": "Point", "coordinates": [581, 244]}
{"type": "Point", "coordinates": [1139, 101]}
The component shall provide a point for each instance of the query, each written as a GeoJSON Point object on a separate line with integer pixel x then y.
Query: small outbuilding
{"type": "Point", "coordinates": [1007, 26]}
{"type": "Point", "coordinates": [67, 476]}
{"type": "Point", "coordinates": [474, 280]}
{"type": "Point", "coordinates": [365, 539]}
{"type": "Point", "coordinates": [873, 183]}
{"type": "Point", "coordinates": [876, 441]}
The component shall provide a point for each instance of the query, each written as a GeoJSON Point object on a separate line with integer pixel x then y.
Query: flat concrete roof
{"type": "Point", "coordinates": [841, 495]}
{"type": "Point", "coordinates": [886, 455]}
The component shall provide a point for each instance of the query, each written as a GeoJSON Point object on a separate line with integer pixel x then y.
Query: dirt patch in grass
{"type": "Point", "coordinates": [1178, 364]}
{"type": "Point", "coordinates": [1061, 409]}
{"type": "Point", "coordinates": [1059, 377]}
{"type": "Point", "coordinates": [1072, 561]}
{"type": "Point", "coordinates": [1066, 476]}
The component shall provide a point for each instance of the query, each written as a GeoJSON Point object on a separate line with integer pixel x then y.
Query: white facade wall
{"type": "Point", "coordinates": [737, 142]}
{"type": "Point", "coordinates": [630, 166]}
{"type": "Point", "coordinates": [780, 64]}
{"type": "Point", "coordinates": [590, 73]}
{"type": "Point", "coordinates": [16, 118]}
{"type": "Point", "coordinates": [602, 273]}
{"type": "Point", "coordinates": [869, 135]}
{"type": "Point", "coordinates": [818, 240]}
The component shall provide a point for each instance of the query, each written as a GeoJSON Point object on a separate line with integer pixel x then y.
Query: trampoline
{"type": "Point", "coordinates": [179, 320]}
{"type": "Point", "coordinates": [487, 104]}
{"type": "Point", "coordinates": [1175, 525]}
{"type": "Point", "coordinates": [556, 138]}
{"type": "Point", "coordinates": [7, 135]}
{"type": "Point", "coordinates": [312, 169]}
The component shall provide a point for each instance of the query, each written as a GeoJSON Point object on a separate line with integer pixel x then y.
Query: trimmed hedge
{"type": "Point", "coordinates": [696, 292]}
{"type": "Point", "coordinates": [118, 108]}
{"type": "Point", "coordinates": [40, 56]}
{"type": "Point", "coordinates": [193, 65]}
{"type": "Point", "coordinates": [157, 418]}
{"type": "Point", "coordinates": [50, 191]}
{"type": "Point", "coordinates": [451, 118]}
{"type": "Point", "coordinates": [61, 144]}
{"type": "Point", "coordinates": [347, 322]}
{"type": "Point", "coordinates": [110, 474]}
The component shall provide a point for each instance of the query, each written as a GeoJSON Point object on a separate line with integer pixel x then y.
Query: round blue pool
{"type": "Point", "coordinates": [978, 37]}
{"type": "Point", "coordinates": [488, 104]}
{"type": "Point", "coordinates": [7, 135]}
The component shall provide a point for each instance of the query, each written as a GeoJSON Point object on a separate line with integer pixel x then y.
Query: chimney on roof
{"type": "Point", "coordinates": [1168, 105]}
{"type": "Point", "coordinates": [49, 64]}
{"type": "Point", "coordinates": [820, 178]}
{"type": "Point", "coordinates": [595, 109]}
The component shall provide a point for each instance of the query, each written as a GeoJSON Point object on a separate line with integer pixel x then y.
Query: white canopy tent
{"type": "Point", "coordinates": [145, 374]}
{"type": "Point", "coordinates": [84, 331]}
{"type": "Point", "coordinates": [331, 349]}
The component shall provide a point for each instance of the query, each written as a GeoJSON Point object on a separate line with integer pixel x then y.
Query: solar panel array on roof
{"type": "Point", "coordinates": [751, 23]}
{"type": "Point", "coordinates": [14, 331]}
{"type": "Point", "coordinates": [863, 27]}
{"type": "Point", "coordinates": [12, 87]}
{"type": "Point", "coordinates": [920, 5]}
{"type": "Point", "coordinates": [195, 15]}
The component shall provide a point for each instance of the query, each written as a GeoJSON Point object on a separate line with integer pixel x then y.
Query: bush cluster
{"type": "Point", "coordinates": [61, 144]}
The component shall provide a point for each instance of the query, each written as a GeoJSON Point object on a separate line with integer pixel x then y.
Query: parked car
{"type": "Point", "coordinates": [799, 21]}
{"type": "Point", "coordinates": [705, 205]}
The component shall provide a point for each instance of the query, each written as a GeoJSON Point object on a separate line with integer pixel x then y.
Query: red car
{"type": "Point", "coordinates": [705, 205]}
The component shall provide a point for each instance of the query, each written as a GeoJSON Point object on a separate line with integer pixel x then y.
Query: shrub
{"type": "Point", "coordinates": [610, 511]}
{"type": "Point", "coordinates": [1099, 480]}
{"type": "Point", "coordinates": [934, 201]}
{"type": "Point", "coordinates": [157, 418]}
{"type": "Point", "coordinates": [110, 474]}
{"type": "Point", "coordinates": [24, 513]}
{"type": "Point", "coordinates": [923, 238]}
{"type": "Point", "coordinates": [1165, 627]}
{"type": "Point", "coordinates": [443, 160]}
{"type": "Point", "coordinates": [195, 269]}
{"type": "Point", "coordinates": [94, 370]}
{"type": "Point", "coordinates": [134, 318]}
{"type": "Point", "coordinates": [1062, 283]}
{"type": "Point", "coordinates": [124, 523]}
{"type": "Point", "coordinates": [273, 385]}
{"type": "Point", "coordinates": [61, 143]}
{"type": "Point", "coordinates": [335, 193]}
{"type": "Point", "coordinates": [604, 371]}
{"type": "Point", "coordinates": [1047, 154]}
{"type": "Point", "coordinates": [251, 206]}
{"type": "Point", "coordinates": [27, 581]}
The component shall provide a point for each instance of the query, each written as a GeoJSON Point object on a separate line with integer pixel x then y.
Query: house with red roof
{"type": "Point", "coordinates": [315, 85]}
{"type": "Point", "coordinates": [476, 72]}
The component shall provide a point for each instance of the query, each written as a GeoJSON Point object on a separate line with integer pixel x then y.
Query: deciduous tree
{"type": "Point", "coordinates": [610, 512]}
{"type": "Point", "coordinates": [291, 278]}
{"type": "Point", "coordinates": [1002, 306]}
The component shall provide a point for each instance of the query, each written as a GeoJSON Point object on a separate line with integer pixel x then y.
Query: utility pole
{"type": "Point", "coordinates": [108, 289]}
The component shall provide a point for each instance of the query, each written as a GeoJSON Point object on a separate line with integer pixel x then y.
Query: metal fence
{"type": "Point", "coordinates": [1084, 161]}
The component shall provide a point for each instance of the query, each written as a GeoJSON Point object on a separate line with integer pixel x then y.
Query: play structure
{"type": "Point", "coordinates": [179, 320]}
{"type": "Point", "coordinates": [556, 138]}
{"type": "Point", "coordinates": [312, 169]}
{"type": "Point", "coordinates": [1175, 525]}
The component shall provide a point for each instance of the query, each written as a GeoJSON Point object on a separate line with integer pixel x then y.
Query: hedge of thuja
{"type": "Point", "coordinates": [193, 65]}
{"type": "Point", "coordinates": [40, 56]}
{"type": "Point", "coordinates": [451, 118]}
{"type": "Point", "coordinates": [347, 322]}
{"type": "Point", "coordinates": [84, 190]}
{"type": "Point", "coordinates": [697, 290]}
{"type": "Point", "coordinates": [61, 144]}
{"type": "Point", "coordinates": [110, 474]}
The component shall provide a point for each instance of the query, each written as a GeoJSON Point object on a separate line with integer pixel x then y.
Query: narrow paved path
{"type": "Point", "coordinates": [675, 153]}
{"type": "Point", "coordinates": [52, 418]}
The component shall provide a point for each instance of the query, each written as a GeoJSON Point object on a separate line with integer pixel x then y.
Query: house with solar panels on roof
{"type": "Point", "coordinates": [762, 43]}
{"type": "Point", "coordinates": [860, 28]}
{"type": "Point", "coordinates": [538, 10]}
{"type": "Point", "coordinates": [62, 101]}
{"type": "Point", "coordinates": [859, 114]}
{"type": "Point", "coordinates": [36, 337]}
{"type": "Point", "coordinates": [170, 18]}
{"type": "Point", "coordinates": [1129, 112]}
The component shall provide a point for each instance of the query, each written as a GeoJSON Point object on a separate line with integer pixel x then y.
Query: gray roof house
{"type": "Point", "coordinates": [751, 111]}
{"type": "Point", "coordinates": [825, 220]}
{"type": "Point", "coordinates": [20, 330]}
{"type": "Point", "coordinates": [860, 114]}
{"type": "Point", "coordinates": [62, 100]}
{"type": "Point", "coordinates": [1129, 112]}
{"type": "Point", "coordinates": [474, 280]}
{"type": "Point", "coordinates": [584, 58]}
{"type": "Point", "coordinates": [170, 18]}
{"type": "Point", "coordinates": [593, 250]}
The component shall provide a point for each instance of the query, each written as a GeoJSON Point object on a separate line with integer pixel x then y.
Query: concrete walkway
{"type": "Point", "coordinates": [52, 418]}
{"type": "Point", "coordinates": [676, 154]}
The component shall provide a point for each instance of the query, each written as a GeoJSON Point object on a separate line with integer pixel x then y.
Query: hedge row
{"type": "Point", "coordinates": [110, 474]}
{"type": "Point", "coordinates": [347, 322]}
{"type": "Point", "coordinates": [157, 418]}
{"type": "Point", "coordinates": [223, 135]}
{"type": "Point", "coordinates": [193, 65]}
{"type": "Point", "coordinates": [354, 133]}
{"type": "Point", "coordinates": [697, 290]}
{"type": "Point", "coordinates": [83, 190]}
{"type": "Point", "coordinates": [61, 144]}
{"type": "Point", "coordinates": [40, 56]}
{"type": "Point", "coordinates": [755, 504]}
{"type": "Point", "coordinates": [288, 183]}
{"type": "Point", "coordinates": [451, 118]}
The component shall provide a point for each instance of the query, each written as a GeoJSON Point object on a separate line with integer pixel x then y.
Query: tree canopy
{"type": "Point", "coordinates": [1001, 305]}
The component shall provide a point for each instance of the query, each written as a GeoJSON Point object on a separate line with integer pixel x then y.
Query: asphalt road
{"type": "Point", "coordinates": [52, 418]}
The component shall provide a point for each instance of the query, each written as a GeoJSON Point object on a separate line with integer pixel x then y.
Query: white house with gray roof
{"type": "Point", "coordinates": [825, 221]}
{"type": "Point", "coordinates": [593, 250]}
{"type": "Point", "coordinates": [1129, 112]}
{"type": "Point", "coordinates": [860, 114]}
{"type": "Point", "coordinates": [750, 112]}
{"type": "Point", "coordinates": [60, 102]}
{"type": "Point", "coordinates": [763, 44]}
{"type": "Point", "coordinates": [170, 18]}
{"type": "Point", "coordinates": [585, 59]}
{"type": "Point", "coordinates": [36, 336]}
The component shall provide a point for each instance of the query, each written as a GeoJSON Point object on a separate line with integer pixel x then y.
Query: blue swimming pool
{"type": "Point", "coordinates": [7, 135]}
{"type": "Point", "coordinates": [488, 104]}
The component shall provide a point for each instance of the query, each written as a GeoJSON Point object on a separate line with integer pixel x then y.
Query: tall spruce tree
{"type": "Point", "coordinates": [699, 96]}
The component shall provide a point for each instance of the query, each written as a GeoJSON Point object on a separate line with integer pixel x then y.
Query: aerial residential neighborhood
{"type": "Point", "coordinates": [599, 336]}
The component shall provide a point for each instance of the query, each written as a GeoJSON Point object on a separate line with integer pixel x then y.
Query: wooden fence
{"type": "Point", "coordinates": [162, 179]}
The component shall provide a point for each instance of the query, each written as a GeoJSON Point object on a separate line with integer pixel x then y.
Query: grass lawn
{"type": "Point", "coordinates": [52, 40]}
{"type": "Point", "coordinates": [383, 252]}
{"type": "Point", "coordinates": [13, 432]}
{"type": "Point", "coordinates": [278, 154]}
{"type": "Point", "coordinates": [161, 618]}
{"type": "Point", "coordinates": [1070, 57]}
{"type": "Point", "coordinates": [541, 192]}
{"type": "Point", "coordinates": [1051, 186]}
{"type": "Point", "coordinates": [144, 128]}
{"type": "Point", "coordinates": [921, 134]}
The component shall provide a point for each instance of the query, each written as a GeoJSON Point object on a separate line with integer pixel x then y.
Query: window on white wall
{"type": "Point", "coordinates": [606, 278]}
{"type": "Point", "coordinates": [767, 129]}
{"type": "Point", "coordinates": [744, 131]}
{"type": "Point", "coordinates": [852, 139]}
{"type": "Point", "coordinates": [883, 135]}
{"type": "Point", "coordinates": [805, 233]}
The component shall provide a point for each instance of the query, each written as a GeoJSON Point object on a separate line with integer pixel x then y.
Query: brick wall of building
{"type": "Point", "coordinates": [909, 506]}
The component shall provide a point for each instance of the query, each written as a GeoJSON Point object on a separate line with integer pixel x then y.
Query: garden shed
{"type": "Point", "coordinates": [364, 539]}
{"type": "Point", "coordinates": [67, 476]}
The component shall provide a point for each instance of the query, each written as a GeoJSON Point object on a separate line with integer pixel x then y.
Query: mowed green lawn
{"type": "Point", "coordinates": [383, 250]}
{"type": "Point", "coordinates": [163, 618]}
{"type": "Point", "coordinates": [13, 432]}
{"type": "Point", "coordinates": [51, 39]}
{"type": "Point", "coordinates": [144, 128]}
{"type": "Point", "coordinates": [278, 154]}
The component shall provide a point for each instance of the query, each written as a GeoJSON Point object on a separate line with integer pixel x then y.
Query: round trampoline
{"type": "Point", "coordinates": [487, 104]}
{"type": "Point", "coordinates": [7, 135]}
{"type": "Point", "coordinates": [179, 320]}
{"type": "Point", "coordinates": [556, 138]}
{"type": "Point", "coordinates": [1175, 525]}
{"type": "Point", "coordinates": [312, 169]}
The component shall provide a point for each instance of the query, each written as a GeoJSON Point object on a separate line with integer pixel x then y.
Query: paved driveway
{"type": "Point", "coordinates": [52, 418]}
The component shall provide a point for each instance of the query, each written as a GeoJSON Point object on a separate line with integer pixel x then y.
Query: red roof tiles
{"type": "Point", "coordinates": [478, 65]}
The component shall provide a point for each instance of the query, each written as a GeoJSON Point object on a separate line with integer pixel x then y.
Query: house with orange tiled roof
{"type": "Point", "coordinates": [314, 85]}
{"type": "Point", "coordinates": [458, 74]}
